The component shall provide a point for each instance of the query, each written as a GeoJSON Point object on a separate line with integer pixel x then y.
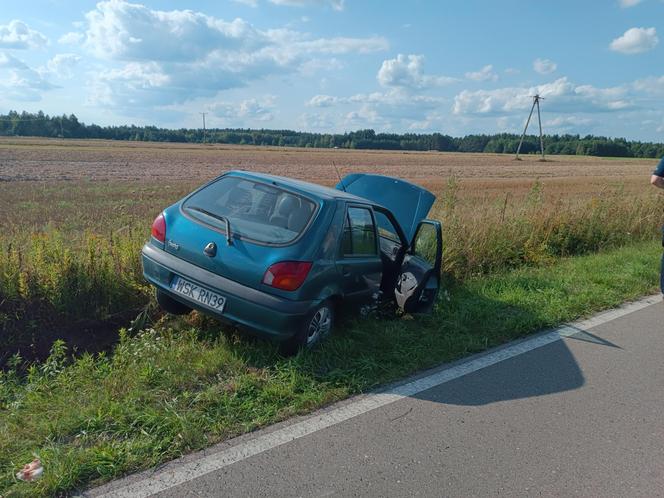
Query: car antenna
{"type": "Point", "coordinates": [341, 182]}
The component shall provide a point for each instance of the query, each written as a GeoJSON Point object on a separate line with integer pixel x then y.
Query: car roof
{"type": "Point", "coordinates": [320, 191]}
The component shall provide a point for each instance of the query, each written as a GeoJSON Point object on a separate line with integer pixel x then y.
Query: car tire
{"type": "Point", "coordinates": [170, 305]}
{"type": "Point", "coordinates": [315, 328]}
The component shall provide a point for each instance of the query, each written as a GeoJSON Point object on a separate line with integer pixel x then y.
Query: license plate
{"type": "Point", "coordinates": [198, 294]}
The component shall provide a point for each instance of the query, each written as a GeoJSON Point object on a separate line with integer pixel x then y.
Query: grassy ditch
{"type": "Point", "coordinates": [79, 288]}
{"type": "Point", "coordinates": [78, 277]}
{"type": "Point", "coordinates": [186, 383]}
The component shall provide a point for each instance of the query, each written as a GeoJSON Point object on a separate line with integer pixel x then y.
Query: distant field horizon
{"type": "Point", "coordinates": [484, 174]}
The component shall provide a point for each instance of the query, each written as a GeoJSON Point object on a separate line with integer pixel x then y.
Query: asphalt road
{"type": "Point", "coordinates": [566, 416]}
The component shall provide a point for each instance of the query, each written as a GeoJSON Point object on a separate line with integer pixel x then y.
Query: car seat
{"type": "Point", "coordinates": [299, 217]}
{"type": "Point", "coordinates": [286, 205]}
{"type": "Point", "coordinates": [239, 201]}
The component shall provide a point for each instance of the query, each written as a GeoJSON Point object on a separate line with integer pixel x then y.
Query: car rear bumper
{"type": "Point", "coordinates": [264, 313]}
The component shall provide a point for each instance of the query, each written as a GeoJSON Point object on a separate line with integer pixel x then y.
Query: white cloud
{"type": "Point", "coordinates": [322, 101]}
{"type": "Point", "coordinates": [628, 3]}
{"type": "Point", "coordinates": [503, 124]}
{"type": "Point", "coordinates": [10, 62]}
{"type": "Point", "coordinates": [612, 99]}
{"type": "Point", "coordinates": [317, 121]}
{"type": "Point", "coordinates": [335, 4]}
{"type": "Point", "coordinates": [314, 65]}
{"type": "Point", "coordinates": [406, 72]}
{"type": "Point", "coordinates": [635, 41]}
{"type": "Point", "coordinates": [18, 35]}
{"type": "Point", "coordinates": [560, 95]}
{"type": "Point", "coordinates": [651, 86]}
{"type": "Point", "coordinates": [400, 106]}
{"type": "Point", "coordinates": [484, 74]}
{"type": "Point", "coordinates": [294, 46]}
{"type": "Point", "coordinates": [245, 111]}
{"type": "Point", "coordinates": [366, 116]}
{"type": "Point", "coordinates": [18, 81]}
{"type": "Point", "coordinates": [148, 75]}
{"type": "Point", "coordinates": [174, 56]}
{"type": "Point", "coordinates": [120, 30]}
{"type": "Point", "coordinates": [544, 66]}
{"type": "Point", "coordinates": [396, 107]}
{"type": "Point", "coordinates": [62, 65]}
{"type": "Point", "coordinates": [566, 122]}
{"type": "Point", "coordinates": [71, 38]}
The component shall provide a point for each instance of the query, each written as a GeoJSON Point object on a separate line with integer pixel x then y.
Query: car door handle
{"type": "Point", "coordinates": [345, 271]}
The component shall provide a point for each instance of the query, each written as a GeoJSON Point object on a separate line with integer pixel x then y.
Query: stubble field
{"type": "Point", "coordinates": [78, 183]}
{"type": "Point", "coordinates": [25, 159]}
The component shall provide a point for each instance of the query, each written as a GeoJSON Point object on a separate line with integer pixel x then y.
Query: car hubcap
{"type": "Point", "coordinates": [320, 324]}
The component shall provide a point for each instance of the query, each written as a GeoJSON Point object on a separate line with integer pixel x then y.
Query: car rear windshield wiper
{"type": "Point", "coordinates": [229, 240]}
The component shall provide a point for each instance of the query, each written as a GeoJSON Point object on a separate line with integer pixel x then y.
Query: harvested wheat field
{"type": "Point", "coordinates": [25, 159]}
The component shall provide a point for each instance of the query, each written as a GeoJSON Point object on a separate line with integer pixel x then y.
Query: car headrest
{"type": "Point", "coordinates": [286, 204]}
{"type": "Point", "coordinates": [239, 196]}
{"type": "Point", "coordinates": [298, 219]}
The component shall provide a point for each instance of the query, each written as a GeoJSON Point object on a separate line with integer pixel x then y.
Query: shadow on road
{"type": "Point", "coordinates": [544, 371]}
{"type": "Point", "coordinates": [585, 336]}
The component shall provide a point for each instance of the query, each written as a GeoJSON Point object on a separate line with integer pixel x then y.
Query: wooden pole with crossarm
{"type": "Point", "coordinates": [536, 102]}
{"type": "Point", "coordinates": [204, 131]}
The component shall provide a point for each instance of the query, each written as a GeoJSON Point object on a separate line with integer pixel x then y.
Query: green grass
{"type": "Point", "coordinates": [186, 383]}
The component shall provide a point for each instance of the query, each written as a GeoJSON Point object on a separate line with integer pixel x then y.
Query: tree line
{"type": "Point", "coordinates": [43, 125]}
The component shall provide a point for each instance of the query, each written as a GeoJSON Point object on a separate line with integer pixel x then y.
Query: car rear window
{"type": "Point", "coordinates": [254, 210]}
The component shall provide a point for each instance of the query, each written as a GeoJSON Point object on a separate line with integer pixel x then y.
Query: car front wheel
{"type": "Point", "coordinates": [314, 329]}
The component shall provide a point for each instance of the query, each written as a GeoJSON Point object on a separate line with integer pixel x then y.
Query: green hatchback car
{"type": "Point", "coordinates": [278, 256]}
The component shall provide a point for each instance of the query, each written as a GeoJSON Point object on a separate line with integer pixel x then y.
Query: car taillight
{"type": "Point", "coordinates": [159, 228]}
{"type": "Point", "coordinates": [287, 275]}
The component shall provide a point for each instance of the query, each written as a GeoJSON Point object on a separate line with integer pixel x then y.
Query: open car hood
{"type": "Point", "coordinates": [409, 203]}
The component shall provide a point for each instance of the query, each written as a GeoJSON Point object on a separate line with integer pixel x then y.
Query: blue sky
{"type": "Point", "coordinates": [455, 67]}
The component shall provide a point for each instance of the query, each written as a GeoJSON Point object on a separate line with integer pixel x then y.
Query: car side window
{"type": "Point", "coordinates": [425, 243]}
{"type": "Point", "coordinates": [386, 229]}
{"type": "Point", "coordinates": [359, 238]}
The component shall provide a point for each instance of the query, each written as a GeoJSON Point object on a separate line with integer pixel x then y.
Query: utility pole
{"type": "Point", "coordinates": [536, 102]}
{"type": "Point", "coordinates": [204, 133]}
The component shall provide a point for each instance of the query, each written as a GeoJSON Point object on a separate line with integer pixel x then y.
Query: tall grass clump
{"type": "Point", "coordinates": [506, 233]}
{"type": "Point", "coordinates": [85, 276]}
{"type": "Point", "coordinates": [56, 284]}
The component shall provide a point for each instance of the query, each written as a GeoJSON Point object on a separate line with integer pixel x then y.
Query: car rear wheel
{"type": "Point", "coordinates": [170, 305]}
{"type": "Point", "coordinates": [314, 329]}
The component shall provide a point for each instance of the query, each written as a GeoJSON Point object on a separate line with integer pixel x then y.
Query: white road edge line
{"type": "Point", "coordinates": [171, 477]}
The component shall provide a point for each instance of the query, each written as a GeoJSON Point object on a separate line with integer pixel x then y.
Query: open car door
{"type": "Point", "coordinates": [419, 279]}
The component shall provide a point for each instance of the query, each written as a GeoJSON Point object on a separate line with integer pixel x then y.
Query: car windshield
{"type": "Point", "coordinates": [254, 210]}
